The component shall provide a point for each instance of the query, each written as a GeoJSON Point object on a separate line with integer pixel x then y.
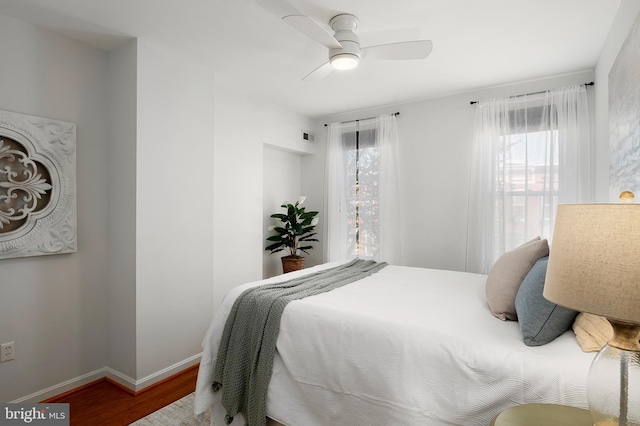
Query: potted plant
{"type": "Point", "coordinates": [294, 233]}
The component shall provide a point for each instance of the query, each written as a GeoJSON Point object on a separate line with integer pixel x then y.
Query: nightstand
{"type": "Point", "coordinates": [543, 415]}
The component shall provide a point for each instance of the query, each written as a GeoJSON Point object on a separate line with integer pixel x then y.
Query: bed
{"type": "Point", "coordinates": [404, 346]}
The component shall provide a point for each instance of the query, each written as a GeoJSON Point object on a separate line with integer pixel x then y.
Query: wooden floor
{"type": "Point", "coordinates": [103, 403]}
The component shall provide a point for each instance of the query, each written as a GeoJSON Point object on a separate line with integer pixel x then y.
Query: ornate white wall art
{"type": "Point", "coordinates": [37, 186]}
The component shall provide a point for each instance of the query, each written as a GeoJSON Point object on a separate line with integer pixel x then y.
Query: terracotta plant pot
{"type": "Point", "coordinates": [292, 263]}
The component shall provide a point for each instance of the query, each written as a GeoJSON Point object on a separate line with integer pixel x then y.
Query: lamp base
{"type": "Point", "coordinates": [613, 385]}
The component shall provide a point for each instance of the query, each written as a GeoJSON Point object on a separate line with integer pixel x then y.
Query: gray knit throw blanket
{"type": "Point", "coordinates": [245, 357]}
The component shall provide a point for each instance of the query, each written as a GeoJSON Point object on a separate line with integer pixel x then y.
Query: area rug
{"type": "Point", "coordinates": [180, 413]}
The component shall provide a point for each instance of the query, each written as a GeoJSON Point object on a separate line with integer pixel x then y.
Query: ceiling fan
{"type": "Point", "coordinates": [344, 47]}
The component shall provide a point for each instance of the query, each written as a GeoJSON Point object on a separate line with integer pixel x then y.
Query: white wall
{"type": "Point", "coordinates": [53, 307]}
{"type": "Point", "coordinates": [174, 209]}
{"type": "Point", "coordinates": [281, 184]}
{"type": "Point", "coordinates": [136, 299]}
{"type": "Point", "coordinates": [244, 128]}
{"type": "Point", "coordinates": [121, 303]}
{"type": "Point", "coordinates": [312, 186]}
{"type": "Point", "coordinates": [237, 191]}
{"type": "Point", "coordinates": [622, 23]}
{"type": "Point", "coordinates": [435, 154]}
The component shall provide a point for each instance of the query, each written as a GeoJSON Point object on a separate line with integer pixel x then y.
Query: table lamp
{"type": "Point", "coordinates": [594, 266]}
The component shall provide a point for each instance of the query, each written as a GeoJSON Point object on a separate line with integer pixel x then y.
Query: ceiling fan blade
{"type": "Point", "coordinates": [279, 8]}
{"type": "Point", "coordinates": [417, 49]}
{"type": "Point", "coordinates": [292, 16]}
{"type": "Point", "coordinates": [321, 72]}
{"type": "Point", "coordinates": [311, 29]}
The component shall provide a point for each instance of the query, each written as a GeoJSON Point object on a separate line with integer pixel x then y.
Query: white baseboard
{"type": "Point", "coordinates": [154, 378]}
{"type": "Point", "coordinates": [145, 382]}
{"type": "Point", "coordinates": [116, 376]}
{"type": "Point", "coordinates": [121, 379]}
{"type": "Point", "coordinates": [63, 387]}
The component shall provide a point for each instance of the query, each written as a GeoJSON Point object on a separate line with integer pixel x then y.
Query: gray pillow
{"type": "Point", "coordinates": [540, 320]}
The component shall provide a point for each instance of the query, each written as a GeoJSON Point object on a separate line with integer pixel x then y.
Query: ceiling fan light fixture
{"type": "Point", "coordinates": [344, 45]}
{"type": "Point", "coordinates": [344, 61]}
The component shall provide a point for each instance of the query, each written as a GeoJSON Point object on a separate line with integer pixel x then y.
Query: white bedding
{"type": "Point", "coordinates": [405, 346]}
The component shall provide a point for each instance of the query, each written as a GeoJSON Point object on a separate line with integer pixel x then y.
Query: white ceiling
{"type": "Point", "coordinates": [477, 43]}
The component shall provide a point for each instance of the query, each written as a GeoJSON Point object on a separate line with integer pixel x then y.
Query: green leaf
{"type": "Point", "coordinates": [295, 226]}
{"type": "Point", "coordinates": [274, 246]}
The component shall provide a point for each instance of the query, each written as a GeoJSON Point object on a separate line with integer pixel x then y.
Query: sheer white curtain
{"type": "Point", "coordinates": [338, 216]}
{"type": "Point", "coordinates": [363, 194]}
{"type": "Point", "coordinates": [530, 153]}
{"type": "Point", "coordinates": [389, 191]}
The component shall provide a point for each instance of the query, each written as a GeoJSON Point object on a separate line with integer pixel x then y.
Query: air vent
{"type": "Point", "coordinates": [308, 136]}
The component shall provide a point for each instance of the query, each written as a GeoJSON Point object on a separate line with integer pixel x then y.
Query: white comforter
{"type": "Point", "coordinates": [405, 346]}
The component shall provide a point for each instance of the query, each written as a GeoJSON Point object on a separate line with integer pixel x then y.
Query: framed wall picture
{"type": "Point", "coordinates": [37, 186]}
{"type": "Point", "coordinates": [624, 117]}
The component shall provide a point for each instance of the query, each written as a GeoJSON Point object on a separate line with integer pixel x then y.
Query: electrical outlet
{"type": "Point", "coordinates": [7, 352]}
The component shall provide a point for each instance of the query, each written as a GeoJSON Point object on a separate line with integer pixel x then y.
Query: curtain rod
{"type": "Point", "coordinates": [535, 93]}
{"type": "Point", "coordinates": [368, 118]}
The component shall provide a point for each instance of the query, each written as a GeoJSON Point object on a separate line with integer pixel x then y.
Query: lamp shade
{"type": "Point", "coordinates": [594, 261]}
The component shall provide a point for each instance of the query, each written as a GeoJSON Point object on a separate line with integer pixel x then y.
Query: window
{"type": "Point", "coordinates": [362, 162]}
{"type": "Point", "coordinates": [527, 185]}
{"type": "Point", "coordinates": [362, 190]}
{"type": "Point", "coordinates": [529, 154]}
